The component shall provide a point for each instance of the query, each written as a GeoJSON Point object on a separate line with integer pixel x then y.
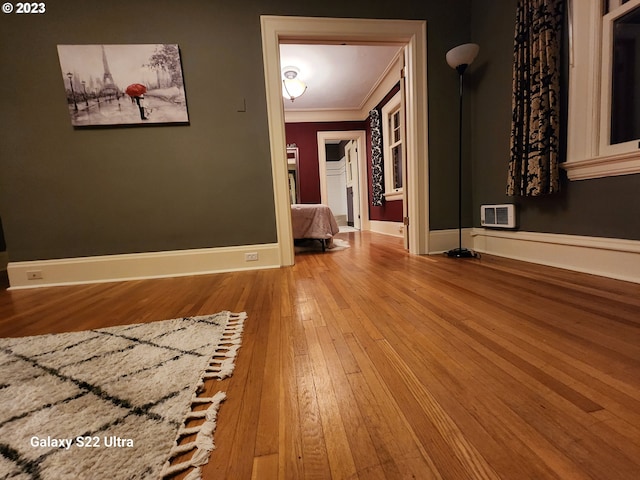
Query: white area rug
{"type": "Point", "coordinates": [112, 403]}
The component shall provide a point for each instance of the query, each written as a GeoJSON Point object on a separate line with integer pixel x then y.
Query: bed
{"type": "Point", "coordinates": [313, 221]}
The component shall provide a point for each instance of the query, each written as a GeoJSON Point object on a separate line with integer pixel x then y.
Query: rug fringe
{"type": "Point", "coordinates": [220, 369]}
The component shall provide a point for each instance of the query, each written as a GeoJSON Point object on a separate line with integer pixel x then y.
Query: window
{"type": "Point", "coordinates": [392, 143]}
{"type": "Point", "coordinates": [625, 101]}
{"type": "Point", "coordinates": [604, 89]}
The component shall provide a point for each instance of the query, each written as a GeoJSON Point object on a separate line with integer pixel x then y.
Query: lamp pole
{"type": "Point", "coordinates": [84, 90]}
{"type": "Point", "coordinates": [73, 94]}
{"type": "Point", "coordinates": [460, 252]}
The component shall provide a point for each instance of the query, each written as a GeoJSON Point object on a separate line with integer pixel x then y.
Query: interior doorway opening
{"type": "Point", "coordinates": [352, 192]}
{"type": "Point", "coordinates": [411, 34]}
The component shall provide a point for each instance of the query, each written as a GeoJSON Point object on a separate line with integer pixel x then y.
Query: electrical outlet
{"type": "Point", "coordinates": [34, 275]}
{"type": "Point", "coordinates": [251, 257]}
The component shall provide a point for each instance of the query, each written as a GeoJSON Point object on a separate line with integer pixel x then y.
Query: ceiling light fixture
{"type": "Point", "coordinates": [292, 86]}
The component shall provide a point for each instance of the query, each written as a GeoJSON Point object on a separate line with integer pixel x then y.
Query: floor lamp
{"type": "Point", "coordinates": [460, 58]}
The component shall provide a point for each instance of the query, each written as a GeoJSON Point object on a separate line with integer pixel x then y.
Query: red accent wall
{"type": "Point", "coordinates": [305, 136]}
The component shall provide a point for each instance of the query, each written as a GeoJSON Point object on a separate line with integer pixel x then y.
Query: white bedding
{"type": "Point", "coordinates": [313, 221]}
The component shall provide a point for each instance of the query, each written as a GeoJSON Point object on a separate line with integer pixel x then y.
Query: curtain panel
{"type": "Point", "coordinates": [377, 161]}
{"type": "Point", "coordinates": [535, 125]}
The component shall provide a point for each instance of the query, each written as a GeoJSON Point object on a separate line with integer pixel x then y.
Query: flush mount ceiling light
{"type": "Point", "coordinates": [292, 86]}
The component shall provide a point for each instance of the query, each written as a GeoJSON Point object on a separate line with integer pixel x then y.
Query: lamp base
{"type": "Point", "coordinates": [460, 253]}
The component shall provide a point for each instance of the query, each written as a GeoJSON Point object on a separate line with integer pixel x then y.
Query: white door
{"type": "Point", "coordinates": [353, 181]}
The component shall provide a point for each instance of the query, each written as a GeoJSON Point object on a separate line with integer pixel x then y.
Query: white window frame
{"type": "Point", "coordinates": [589, 154]}
{"type": "Point", "coordinates": [390, 108]}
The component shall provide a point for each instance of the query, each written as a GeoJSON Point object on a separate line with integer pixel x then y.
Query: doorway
{"type": "Point", "coordinates": [409, 33]}
{"type": "Point", "coordinates": [355, 171]}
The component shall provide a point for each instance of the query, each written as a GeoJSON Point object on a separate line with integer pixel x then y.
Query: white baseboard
{"type": "Point", "coordinates": [112, 268]}
{"type": "Point", "coordinates": [395, 229]}
{"type": "Point", "coordinates": [608, 257]}
{"type": "Point", "coordinates": [441, 241]}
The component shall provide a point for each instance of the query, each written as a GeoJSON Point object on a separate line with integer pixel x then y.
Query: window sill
{"type": "Point", "coordinates": [599, 167]}
{"type": "Point", "coordinates": [393, 196]}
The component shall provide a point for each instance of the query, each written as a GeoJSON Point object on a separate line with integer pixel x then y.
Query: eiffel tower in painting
{"type": "Point", "coordinates": [108, 85]}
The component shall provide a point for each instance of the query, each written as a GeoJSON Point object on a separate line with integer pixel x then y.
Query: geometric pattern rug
{"type": "Point", "coordinates": [113, 403]}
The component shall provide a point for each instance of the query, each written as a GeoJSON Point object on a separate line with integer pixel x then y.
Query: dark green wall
{"type": "Point", "coordinates": [70, 193]}
{"type": "Point", "coordinates": [607, 207]}
{"type": "Point", "coordinates": [3, 245]}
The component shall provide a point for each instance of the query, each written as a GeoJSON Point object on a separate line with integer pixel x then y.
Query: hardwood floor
{"type": "Point", "coordinates": [369, 363]}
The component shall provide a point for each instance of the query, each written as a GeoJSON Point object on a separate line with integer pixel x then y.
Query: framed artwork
{"type": "Point", "coordinates": [110, 85]}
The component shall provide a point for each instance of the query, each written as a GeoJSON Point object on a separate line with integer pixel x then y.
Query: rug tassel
{"type": "Point", "coordinates": [203, 443]}
{"type": "Point", "coordinates": [194, 474]}
{"type": "Point", "coordinates": [220, 370]}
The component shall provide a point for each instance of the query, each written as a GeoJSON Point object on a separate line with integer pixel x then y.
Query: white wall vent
{"type": "Point", "coordinates": [498, 216]}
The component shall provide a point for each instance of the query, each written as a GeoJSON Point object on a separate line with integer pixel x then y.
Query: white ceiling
{"type": "Point", "coordinates": [337, 76]}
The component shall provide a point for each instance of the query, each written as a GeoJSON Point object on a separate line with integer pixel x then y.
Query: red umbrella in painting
{"type": "Point", "coordinates": [135, 90]}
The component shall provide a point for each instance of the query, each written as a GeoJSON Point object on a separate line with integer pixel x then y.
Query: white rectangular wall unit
{"type": "Point", "coordinates": [498, 216]}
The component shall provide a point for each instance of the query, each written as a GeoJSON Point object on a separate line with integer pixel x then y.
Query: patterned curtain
{"type": "Point", "coordinates": [377, 162]}
{"type": "Point", "coordinates": [535, 127]}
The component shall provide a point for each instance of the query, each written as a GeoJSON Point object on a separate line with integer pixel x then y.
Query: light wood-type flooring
{"type": "Point", "coordinates": [370, 363]}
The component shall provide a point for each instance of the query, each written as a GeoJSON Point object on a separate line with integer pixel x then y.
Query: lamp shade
{"type": "Point", "coordinates": [292, 87]}
{"type": "Point", "coordinates": [462, 55]}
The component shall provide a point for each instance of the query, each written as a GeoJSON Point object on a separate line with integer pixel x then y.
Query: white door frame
{"type": "Point", "coordinates": [360, 137]}
{"type": "Point", "coordinates": [412, 34]}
